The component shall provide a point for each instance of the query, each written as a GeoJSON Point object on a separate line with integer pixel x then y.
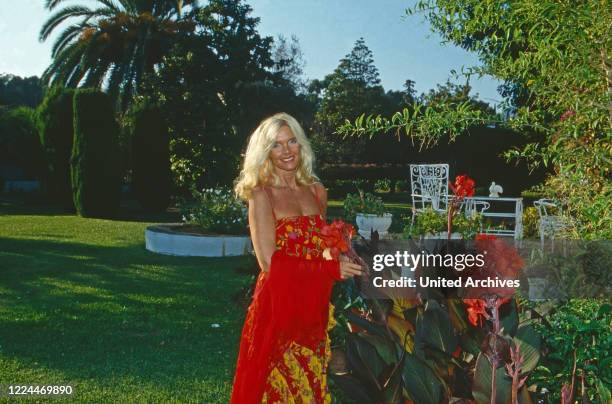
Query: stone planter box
{"type": "Point", "coordinates": [367, 223]}
{"type": "Point", "coordinates": [170, 240]}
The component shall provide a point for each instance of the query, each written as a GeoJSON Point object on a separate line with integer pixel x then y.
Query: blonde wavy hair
{"type": "Point", "coordinates": [258, 170]}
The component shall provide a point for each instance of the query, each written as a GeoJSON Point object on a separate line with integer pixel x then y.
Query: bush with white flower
{"type": "Point", "coordinates": [216, 210]}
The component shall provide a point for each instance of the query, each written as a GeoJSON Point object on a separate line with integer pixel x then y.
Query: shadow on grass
{"type": "Point", "coordinates": [103, 312]}
{"type": "Point", "coordinates": [36, 205]}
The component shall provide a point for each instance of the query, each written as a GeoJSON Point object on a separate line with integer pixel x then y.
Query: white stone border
{"type": "Point", "coordinates": [171, 243]}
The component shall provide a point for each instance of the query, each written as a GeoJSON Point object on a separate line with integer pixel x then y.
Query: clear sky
{"type": "Point", "coordinates": [403, 46]}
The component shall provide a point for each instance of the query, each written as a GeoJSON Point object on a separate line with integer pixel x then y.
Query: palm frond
{"type": "Point", "coordinates": [51, 4]}
{"type": "Point", "coordinates": [59, 17]}
{"type": "Point", "coordinates": [64, 64]}
{"type": "Point", "coordinates": [89, 59]}
{"type": "Point", "coordinates": [111, 4]}
{"type": "Point", "coordinates": [66, 37]}
{"type": "Point", "coordinates": [96, 74]}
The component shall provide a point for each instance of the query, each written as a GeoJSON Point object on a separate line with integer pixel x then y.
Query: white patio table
{"type": "Point", "coordinates": [514, 211]}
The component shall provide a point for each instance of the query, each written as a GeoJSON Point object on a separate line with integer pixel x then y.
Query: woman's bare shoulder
{"type": "Point", "coordinates": [258, 194]}
{"type": "Point", "coordinates": [320, 188]}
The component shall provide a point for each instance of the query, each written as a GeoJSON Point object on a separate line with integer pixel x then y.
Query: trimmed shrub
{"type": "Point", "coordinates": [95, 162]}
{"type": "Point", "coordinates": [151, 157]}
{"type": "Point", "coordinates": [20, 143]}
{"type": "Point", "coordinates": [54, 116]}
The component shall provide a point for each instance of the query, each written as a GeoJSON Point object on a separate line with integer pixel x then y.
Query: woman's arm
{"type": "Point", "coordinates": [263, 229]}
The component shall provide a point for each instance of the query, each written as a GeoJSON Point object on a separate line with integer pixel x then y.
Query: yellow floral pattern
{"type": "Point", "coordinates": [301, 375]}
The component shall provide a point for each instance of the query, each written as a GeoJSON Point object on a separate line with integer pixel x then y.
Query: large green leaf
{"type": "Point", "coordinates": [481, 389]}
{"type": "Point", "coordinates": [385, 347]}
{"type": "Point", "coordinates": [364, 362]}
{"type": "Point", "coordinates": [528, 341]}
{"type": "Point", "coordinates": [369, 326]}
{"type": "Point", "coordinates": [356, 389]}
{"type": "Point", "coordinates": [509, 320]}
{"type": "Point", "coordinates": [420, 381]}
{"type": "Point", "coordinates": [434, 328]}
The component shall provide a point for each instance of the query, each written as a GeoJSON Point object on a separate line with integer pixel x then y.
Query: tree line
{"type": "Point", "coordinates": [211, 77]}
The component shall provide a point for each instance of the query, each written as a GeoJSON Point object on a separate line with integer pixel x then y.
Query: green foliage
{"type": "Point", "coordinates": [554, 58]}
{"type": "Point", "coordinates": [428, 222]}
{"type": "Point", "coordinates": [431, 222]}
{"type": "Point", "coordinates": [55, 119]}
{"type": "Point", "coordinates": [95, 162]}
{"type": "Point", "coordinates": [426, 352]}
{"type": "Point", "coordinates": [119, 42]}
{"type": "Point", "coordinates": [580, 326]}
{"type": "Point", "coordinates": [425, 124]}
{"type": "Point", "coordinates": [20, 142]}
{"type": "Point", "coordinates": [362, 202]}
{"type": "Point", "coordinates": [468, 227]}
{"type": "Point", "coordinates": [151, 157]}
{"type": "Point", "coordinates": [531, 222]}
{"type": "Point", "coordinates": [216, 210]}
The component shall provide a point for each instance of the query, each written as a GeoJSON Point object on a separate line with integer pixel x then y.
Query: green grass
{"type": "Point", "coordinates": [83, 303]}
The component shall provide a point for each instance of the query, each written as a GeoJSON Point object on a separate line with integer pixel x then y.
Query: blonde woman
{"type": "Point", "coordinates": [284, 348]}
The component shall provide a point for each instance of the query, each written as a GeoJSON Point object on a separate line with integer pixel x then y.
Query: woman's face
{"type": "Point", "coordinates": [285, 152]}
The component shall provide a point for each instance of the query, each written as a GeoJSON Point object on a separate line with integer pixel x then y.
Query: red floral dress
{"type": "Point", "coordinates": [285, 348]}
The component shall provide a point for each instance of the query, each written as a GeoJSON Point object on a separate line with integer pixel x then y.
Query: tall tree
{"type": "Point", "coordinates": [213, 89]}
{"type": "Point", "coordinates": [20, 91]}
{"type": "Point", "coordinates": [353, 87]}
{"type": "Point", "coordinates": [358, 66]}
{"type": "Point", "coordinates": [113, 42]}
{"type": "Point", "coordinates": [289, 62]}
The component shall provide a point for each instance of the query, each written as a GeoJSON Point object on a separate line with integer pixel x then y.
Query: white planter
{"type": "Point", "coordinates": [367, 223]}
{"type": "Point", "coordinates": [161, 239]}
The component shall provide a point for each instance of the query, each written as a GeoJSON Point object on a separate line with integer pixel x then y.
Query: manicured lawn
{"type": "Point", "coordinates": [83, 303]}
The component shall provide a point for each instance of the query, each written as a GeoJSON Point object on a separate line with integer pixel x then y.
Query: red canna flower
{"type": "Point", "coordinates": [476, 310]}
{"type": "Point", "coordinates": [463, 186]}
{"type": "Point", "coordinates": [336, 236]}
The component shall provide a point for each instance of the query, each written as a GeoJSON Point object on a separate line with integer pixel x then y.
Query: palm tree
{"type": "Point", "coordinates": [114, 42]}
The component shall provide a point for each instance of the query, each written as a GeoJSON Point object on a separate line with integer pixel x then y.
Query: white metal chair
{"type": "Point", "coordinates": [474, 207]}
{"type": "Point", "coordinates": [552, 221]}
{"type": "Point", "coordinates": [429, 188]}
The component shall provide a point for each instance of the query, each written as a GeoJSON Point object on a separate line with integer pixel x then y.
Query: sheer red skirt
{"type": "Point", "coordinates": [290, 305]}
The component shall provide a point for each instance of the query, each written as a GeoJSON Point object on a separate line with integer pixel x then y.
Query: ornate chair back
{"type": "Point", "coordinates": [429, 185]}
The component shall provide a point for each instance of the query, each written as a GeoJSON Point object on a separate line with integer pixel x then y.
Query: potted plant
{"type": "Point", "coordinates": [368, 211]}
{"type": "Point", "coordinates": [430, 224]}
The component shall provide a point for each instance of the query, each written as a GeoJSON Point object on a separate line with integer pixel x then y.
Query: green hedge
{"type": "Point", "coordinates": [95, 161]}
{"type": "Point", "coordinates": [151, 157]}
{"type": "Point", "coordinates": [20, 143]}
{"type": "Point", "coordinates": [54, 116]}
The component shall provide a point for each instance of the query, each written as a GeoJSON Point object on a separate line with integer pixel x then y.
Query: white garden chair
{"type": "Point", "coordinates": [552, 221]}
{"type": "Point", "coordinates": [429, 188]}
{"type": "Point", "coordinates": [472, 207]}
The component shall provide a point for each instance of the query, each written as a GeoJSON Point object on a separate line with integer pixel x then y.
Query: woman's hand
{"type": "Point", "coordinates": [348, 269]}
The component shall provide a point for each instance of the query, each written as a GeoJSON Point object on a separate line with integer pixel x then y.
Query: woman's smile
{"type": "Point", "coordinates": [285, 152]}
